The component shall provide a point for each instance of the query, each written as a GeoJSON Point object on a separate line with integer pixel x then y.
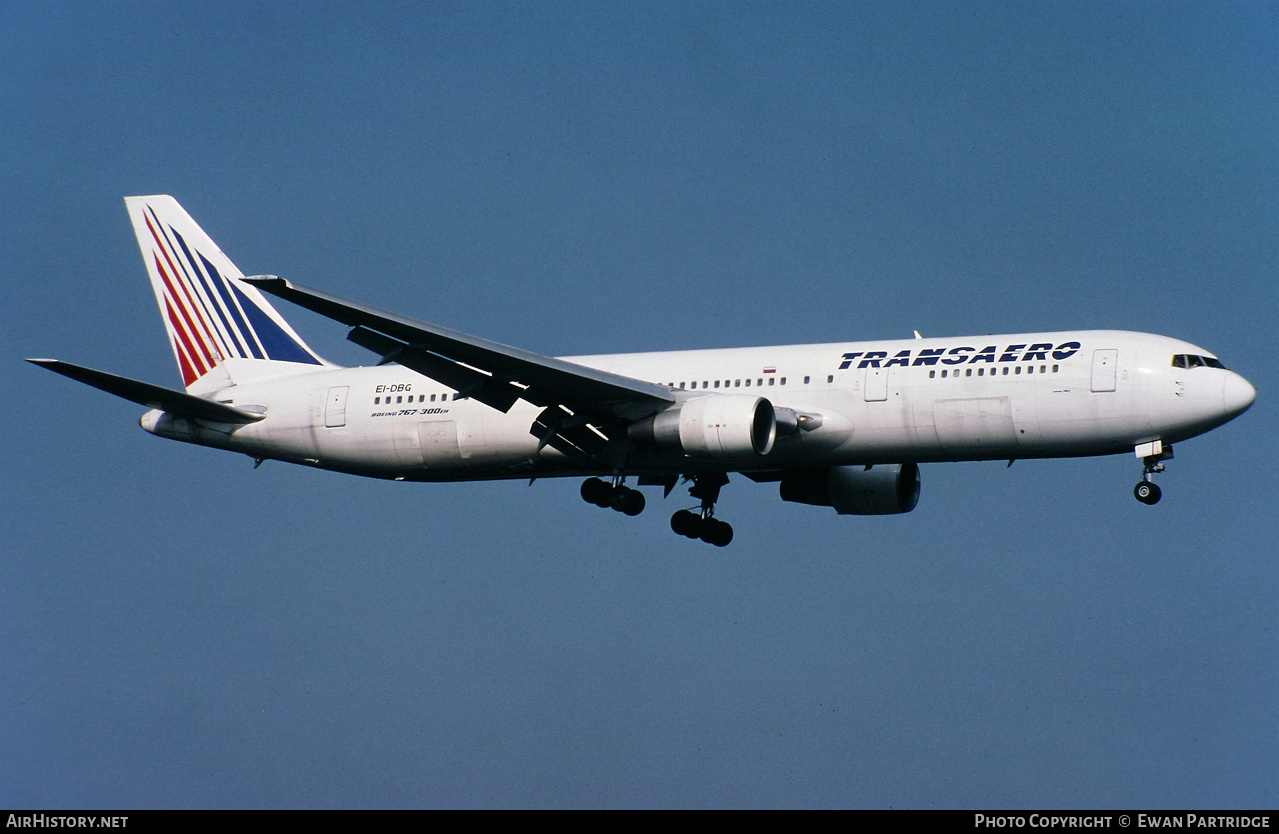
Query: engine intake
{"type": "Point", "coordinates": [882, 489]}
{"type": "Point", "coordinates": [721, 425]}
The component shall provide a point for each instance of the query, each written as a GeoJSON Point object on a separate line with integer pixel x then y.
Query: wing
{"type": "Point", "coordinates": [152, 396]}
{"type": "Point", "coordinates": [579, 403]}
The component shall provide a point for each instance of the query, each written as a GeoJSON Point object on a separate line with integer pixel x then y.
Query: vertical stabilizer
{"type": "Point", "coordinates": [210, 313]}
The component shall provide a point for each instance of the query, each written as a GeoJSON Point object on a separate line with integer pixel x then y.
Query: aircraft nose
{"type": "Point", "coordinates": [1237, 394]}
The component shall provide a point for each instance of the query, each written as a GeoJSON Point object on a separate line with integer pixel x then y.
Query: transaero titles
{"type": "Point", "coordinates": [1121, 821]}
{"type": "Point", "coordinates": [960, 355]}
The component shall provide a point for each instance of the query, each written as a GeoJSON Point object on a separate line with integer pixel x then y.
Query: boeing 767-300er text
{"type": "Point", "coordinates": [841, 425]}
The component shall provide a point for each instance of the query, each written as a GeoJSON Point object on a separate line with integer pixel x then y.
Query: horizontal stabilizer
{"type": "Point", "coordinates": [152, 396]}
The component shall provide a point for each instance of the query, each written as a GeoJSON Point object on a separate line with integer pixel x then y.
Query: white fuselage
{"type": "Point", "coordinates": [1030, 395]}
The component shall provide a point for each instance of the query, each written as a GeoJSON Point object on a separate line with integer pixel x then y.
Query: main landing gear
{"type": "Point", "coordinates": [703, 525]}
{"type": "Point", "coordinates": [616, 495]}
{"type": "Point", "coordinates": [707, 528]}
{"type": "Point", "coordinates": [1147, 491]}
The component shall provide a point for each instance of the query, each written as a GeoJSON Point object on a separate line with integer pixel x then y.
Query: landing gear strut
{"type": "Point", "coordinates": [1152, 456]}
{"type": "Point", "coordinates": [616, 495]}
{"type": "Point", "coordinates": [703, 524]}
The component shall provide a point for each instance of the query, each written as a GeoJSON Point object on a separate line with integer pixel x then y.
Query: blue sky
{"type": "Point", "coordinates": [184, 631]}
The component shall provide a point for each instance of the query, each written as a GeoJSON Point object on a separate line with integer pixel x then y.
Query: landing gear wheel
{"type": "Point", "coordinates": [686, 523]}
{"type": "Point", "coordinates": [620, 495]}
{"type": "Point", "coordinates": [716, 532]}
{"type": "Point", "coordinates": [1147, 492]}
{"type": "Point", "coordinates": [597, 492]}
{"type": "Point", "coordinates": [632, 501]}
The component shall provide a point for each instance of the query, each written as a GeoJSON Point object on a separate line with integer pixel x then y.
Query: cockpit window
{"type": "Point", "coordinates": [1189, 360]}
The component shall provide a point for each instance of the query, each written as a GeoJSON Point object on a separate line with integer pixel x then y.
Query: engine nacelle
{"type": "Point", "coordinates": [882, 489]}
{"type": "Point", "coordinates": [720, 425]}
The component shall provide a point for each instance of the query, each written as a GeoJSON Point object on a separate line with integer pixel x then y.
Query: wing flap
{"type": "Point", "coordinates": [466, 381]}
{"type": "Point", "coordinates": [498, 369]}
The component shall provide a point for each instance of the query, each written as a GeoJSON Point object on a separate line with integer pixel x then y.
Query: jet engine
{"type": "Point", "coordinates": [720, 425]}
{"type": "Point", "coordinates": [882, 489]}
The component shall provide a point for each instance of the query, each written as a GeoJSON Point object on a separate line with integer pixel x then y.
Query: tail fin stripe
{"type": "Point", "coordinates": [233, 311]}
{"type": "Point", "coordinates": [265, 339]}
{"type": "Point", "coordinates": [223, 309]}
{"type": "Point", "coordinates": [233, 340]}
{"type": "Point", "coordinates": [183, 326]}
{"type": "Point", "coordinates": [275, 342]}
{"type": "Point", "coordinates": [184, 352]}
{"type": "Point", "coordinates": [199, 289]}
{"type": "Point", "coordinates": [209, 323]}
{"type": "Point", "coordinates": [182, 323]}
{"type": "Point", "coordinates": [208, 340]}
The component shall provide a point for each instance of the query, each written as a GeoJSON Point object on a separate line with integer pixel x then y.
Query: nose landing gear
{"type": "Point", "coordinates": [1152, 457]}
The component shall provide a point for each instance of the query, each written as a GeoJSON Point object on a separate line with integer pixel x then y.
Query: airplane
{"type": "Point", "coordinates": [843, 425]}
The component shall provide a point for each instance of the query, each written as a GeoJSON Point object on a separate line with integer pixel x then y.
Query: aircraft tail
{"type": "Point", "coordinates": [210, 313]}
